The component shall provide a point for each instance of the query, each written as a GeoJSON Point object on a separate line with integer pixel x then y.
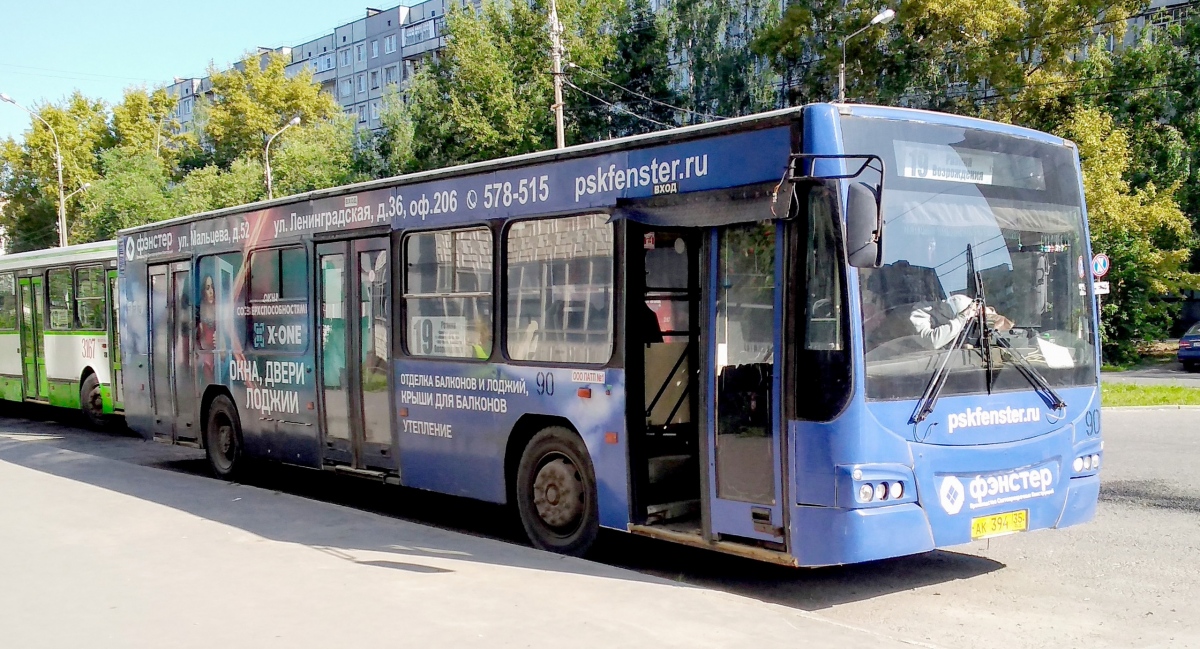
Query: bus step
{"type": "Point", "coordinates": [370, 474]}
{"type": "Point", "coordinates": [671, 511]}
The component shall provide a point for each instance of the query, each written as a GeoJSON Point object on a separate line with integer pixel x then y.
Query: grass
{"type": "Point", "coordinates": [1126, 394]}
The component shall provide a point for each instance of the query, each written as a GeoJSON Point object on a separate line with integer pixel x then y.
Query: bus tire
{"type": "Point", "coordinates": [556, 493]}
{"type": "Point", "coordinates": [91, 402]}
{"type": "Point", "coordinates": [223, 439]}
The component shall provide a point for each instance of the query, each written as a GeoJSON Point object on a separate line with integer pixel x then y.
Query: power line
{"type": "Point", "coordinates": [652, 100]}
{"type": "Point", "coordinates": [571, 84]}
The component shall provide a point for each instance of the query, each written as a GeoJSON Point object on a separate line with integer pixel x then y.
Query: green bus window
{"type": "Point", "coordinates": [59, 287]}
{"type": "Point", "coordinates": [560, 289]}
{"type": "Point", "coordinates": [89, 297]}
{"type": "Point", "coordinates": [448, 293]}
{"type": "Point", "coordinates": [8, 302]}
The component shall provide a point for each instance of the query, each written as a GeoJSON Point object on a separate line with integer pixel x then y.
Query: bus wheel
{"type": "Point", "coordinates": [556, 493]}
{"type": "Point", "coordinates": [91, 403]}
{"type": "Point", "coordinates": [223, 438]}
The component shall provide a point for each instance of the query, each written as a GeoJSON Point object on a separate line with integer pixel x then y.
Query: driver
{"type": "Point", "coordinates": [939, 323]}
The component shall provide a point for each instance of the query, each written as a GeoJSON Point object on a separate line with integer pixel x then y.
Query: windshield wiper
{"type": "Point", "coordinates": [1035, 378]}
{"type": "Point", "coordinates": [936, 382]}
{"type": "Point", "coordinates": [934, 389]}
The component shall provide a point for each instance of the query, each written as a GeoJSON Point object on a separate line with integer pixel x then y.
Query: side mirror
{"type": "Point", "coordinates": [864, 226]}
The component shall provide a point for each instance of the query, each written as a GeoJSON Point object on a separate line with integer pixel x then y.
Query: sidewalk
{"type": "Point", "coordinates": [106, 554]}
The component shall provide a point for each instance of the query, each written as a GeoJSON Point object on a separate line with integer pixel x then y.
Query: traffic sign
{"type": "Point", "coordinates": [1100, 265]}
{"type": "Point", "coordinates": [1100, 288]}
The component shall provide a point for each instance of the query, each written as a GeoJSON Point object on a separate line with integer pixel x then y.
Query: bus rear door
{"type": "Point", "coordinates": [354, 325]}
{"type": "Point", "coordinates": [33, 344]}
{"type": "Point", "coordinates": [173, 384]}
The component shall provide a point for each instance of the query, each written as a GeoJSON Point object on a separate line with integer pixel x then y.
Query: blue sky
{"type": "Point", "coordinates": [100, 47]}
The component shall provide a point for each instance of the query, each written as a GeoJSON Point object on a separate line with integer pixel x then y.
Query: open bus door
{"type": "Point", "coordinates": [741, 380]}
{"type": "Point", "coordinates": [354, 328]}
{"type": "Point", "coordinates": [114, 340]}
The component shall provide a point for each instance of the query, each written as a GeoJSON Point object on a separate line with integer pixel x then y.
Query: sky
{"type": "Point", "coordinates": [101, 47]}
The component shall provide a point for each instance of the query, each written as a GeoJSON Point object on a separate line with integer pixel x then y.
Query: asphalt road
{"type": "Point", "coordinates": [1165, 374]}
{"type": "Point", "coordinates": [1131, 578]}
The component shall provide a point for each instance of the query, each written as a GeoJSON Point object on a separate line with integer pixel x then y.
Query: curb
{"type": "Point", "coordinates": [1160, 407]}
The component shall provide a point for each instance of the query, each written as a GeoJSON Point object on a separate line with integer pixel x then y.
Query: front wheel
{"type": "Point", "coordinates": [556, 493]}
{"type": "Point", "coordinates": [91, 402]}
{"type": "Point", "coordinates": [223, 439]}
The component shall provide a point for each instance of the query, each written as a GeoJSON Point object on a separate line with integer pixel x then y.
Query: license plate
{"type": "Point", "coordinates": [999, 524]}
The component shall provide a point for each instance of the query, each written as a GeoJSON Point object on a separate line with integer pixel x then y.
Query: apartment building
{"type": "Point", "coordinates": [356, 63]}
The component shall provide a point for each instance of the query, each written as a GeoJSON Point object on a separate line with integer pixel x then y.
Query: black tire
{"type": "Point", "coordinates": [1190, 366]}
{"type": "Point", "coordinates": [91, 402]}
{"type": "Point", "coordinates": [556, 493]}
{"type": "Point", "coordinates": [223, 439]}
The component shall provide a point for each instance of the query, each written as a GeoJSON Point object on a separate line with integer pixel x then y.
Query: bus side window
{"type": "Point", "coordinates": [59, 287]}
{"type": "Point", "coordinates": [8, 302]}
{"type": "Point", "coordinates": [448, 293]}
{"type": "Point", "coordinates": [560, 289]}
{"type": "Point", "coordinates": [278, 312]}
{"type": "Point", "coordinates": [89, 297]}
{"type": "Point", "coordinates": [823, 276]}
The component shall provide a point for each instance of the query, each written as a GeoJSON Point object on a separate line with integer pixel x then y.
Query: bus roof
{"type": "Point", "coordinates": [748, 122]}
{"type": "Point", "coordinates": [95, 251]}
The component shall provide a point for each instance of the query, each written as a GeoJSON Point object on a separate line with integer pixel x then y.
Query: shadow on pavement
{"type": "Point", "coordinates": [445, 524]}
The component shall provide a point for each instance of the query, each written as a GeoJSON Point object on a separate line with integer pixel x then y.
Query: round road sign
{"type": "Point", "coordinates": [1100, 265]}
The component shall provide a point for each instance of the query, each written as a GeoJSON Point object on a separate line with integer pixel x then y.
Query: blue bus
{"type": "Point", "coordinates": [815, 336]}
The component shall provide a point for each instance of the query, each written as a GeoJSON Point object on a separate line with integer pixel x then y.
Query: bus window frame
{"type": "Point", "coordinates": [401, 291]}
{"type": "Point", "coordinates": [49, 307]}
{"type": "Point", "coordinates": [103, 297]}
{"type": "Point", "coordinates": [614, 317]}
{"type": "Point", "coordinates": [307, 297]}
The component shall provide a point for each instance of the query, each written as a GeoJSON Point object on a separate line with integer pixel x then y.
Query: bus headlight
{"type": "Point", "coordinates": [1087, 463]}
{"type": "Point", "coordinates": [1095, 461]}
{"type": "Point", "coordinates": [881, 491]}
{"type": "Point", "coordinates": [866, 493]}
{"type": "Point", "coordinates": [1077, 465]}
{"type": "Point", "coordinates": [896, 491]}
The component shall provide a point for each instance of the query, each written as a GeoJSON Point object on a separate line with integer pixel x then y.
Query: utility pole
{"type": "Point", "coordinates": [556, 54]}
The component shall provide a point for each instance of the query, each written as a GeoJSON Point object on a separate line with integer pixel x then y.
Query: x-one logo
{"type": "Point", "coordinates": [952, 494]}
{"type": "Point", "coordinates": [129, 248]}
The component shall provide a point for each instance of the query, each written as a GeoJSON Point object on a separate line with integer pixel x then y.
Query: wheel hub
{"type": "Point", "coordinates": [558, 494]}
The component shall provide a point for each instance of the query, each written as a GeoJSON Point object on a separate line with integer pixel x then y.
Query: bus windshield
{"type": "Point", "coordinates": [971, 213]}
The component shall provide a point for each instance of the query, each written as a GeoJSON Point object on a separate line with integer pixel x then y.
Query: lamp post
{"type": "Point", "coordinates": [267, 152]}
{"type": "Point", "coordinates": [881, 18]}
{"type": "Point", "coordinates": [82, 188]}
{"type": "Point", "coordinates": [62, 204]}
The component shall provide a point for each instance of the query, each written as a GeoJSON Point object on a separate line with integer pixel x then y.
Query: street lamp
{"type": "Point", "coordinates": [83, 188]}
{"type": "Point", "coordinates": [882, 18]}
{"type": "Point", "coordinates": [267, 151]}
{"type": "Point", "coordinates": [62, 204]}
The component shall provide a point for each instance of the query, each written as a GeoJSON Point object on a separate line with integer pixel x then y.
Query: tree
{"type": "Point", "coordinates": [255, 99]}
{"type": "Point", "coordinates": [315, 157]}
{"type": "Point", "coordinates": [214, 188]}
{"type": "Point", "coordinates": [144, 121]}
{"type": "Point", "coordinates": [480, 100]}
{"type": "Point", "coordinates": [718, 72]}
{"type": "Point", "coordinates": [132, 191]}
{"type": "Point", "coordinates": [28, 175]}
{"type": "Point", "coordinates": [1142, 230]}
{"type": "Point", "coordinates": [632, 90]}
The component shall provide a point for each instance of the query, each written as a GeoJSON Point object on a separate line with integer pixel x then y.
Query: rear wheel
{"type": "Point", "coordinates": [1190, 366]}
{"type": "Point", "coordinates": [223, 439]}
{"type": "Point", "coordinates": [556, 493]}
{"type": "Point", "coordinates": [91, 402]}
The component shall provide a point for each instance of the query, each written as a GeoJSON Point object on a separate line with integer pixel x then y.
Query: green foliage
{"type": "Point", "coordinates": [132, 191]}
{"type": "Point", "coordinates": [213, 188]}
{"type": "Point", "coordinates": [720, 73]}
{"type": "Point", "coordinates": [314, 157]}
{"type": "Point", "coordinates": [1142, 230]}
{"type": "Point", "coordinates": [1127, 394]}
{"type": "Point", "coordinates": [256, 99]}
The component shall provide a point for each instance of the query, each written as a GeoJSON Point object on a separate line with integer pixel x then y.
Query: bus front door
{"type": "Point", "coordinates": [354, 323]}
{"type": "Point", "coordinates": [33, 344]}
{"type": "Point", "coordinates": [742, 367]}
{"type": "Point", "coordinates": [114, 339]}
